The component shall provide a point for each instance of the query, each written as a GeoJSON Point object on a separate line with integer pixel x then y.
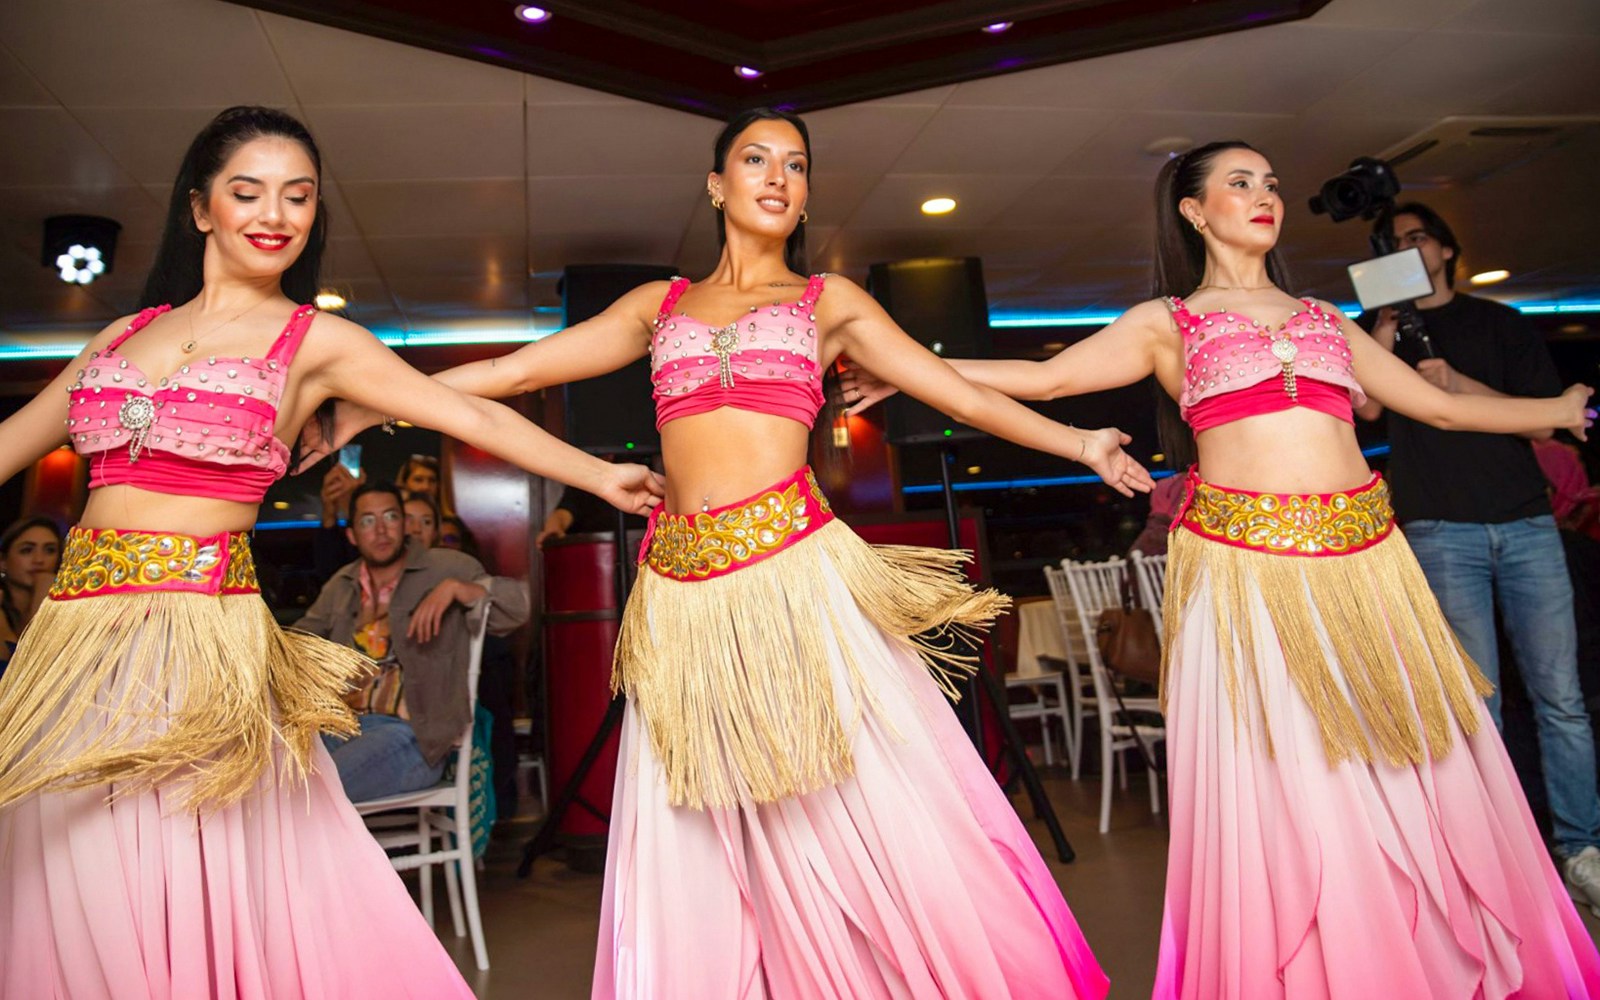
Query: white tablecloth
{"type": "Point", "coordinates": [1039, 634]}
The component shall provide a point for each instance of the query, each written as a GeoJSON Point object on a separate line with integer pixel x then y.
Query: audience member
{"type": "Point", "coordinates": [30, 551]}
{"type": "Point", "coordinates": [420, 475]}
{"type": "Point", "coordinates": [404, 606]}
{"type": "Point", "coordinates": [1475, 509]}
{"type": "Point", "coordinates": [422, 520]}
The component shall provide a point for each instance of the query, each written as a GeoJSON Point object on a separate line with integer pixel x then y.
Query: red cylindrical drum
{"type": "Point", "coordinates": [580, 631]}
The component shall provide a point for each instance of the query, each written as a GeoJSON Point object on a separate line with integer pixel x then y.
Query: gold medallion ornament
{"type": "Point", "coordinates": [723, 343]}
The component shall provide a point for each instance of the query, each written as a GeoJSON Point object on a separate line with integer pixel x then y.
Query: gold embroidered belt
{"type": "Point", "coordinates": [100, 561]}
{"type": "Point", "coordinates": [716, 542]}
{"type": "Point", "coordinates": [1295, 524]}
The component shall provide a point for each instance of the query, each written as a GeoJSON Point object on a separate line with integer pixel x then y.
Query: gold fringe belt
{"type": "Point", "coordinates": [156, 663]}
{"type": "Point", "coordinates": [1325, 565]}
{"type": "Point", "coordinates": [729, 657]}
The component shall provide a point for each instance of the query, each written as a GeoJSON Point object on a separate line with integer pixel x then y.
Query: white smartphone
{"type": "Point", "coordinates": [1396, 277]}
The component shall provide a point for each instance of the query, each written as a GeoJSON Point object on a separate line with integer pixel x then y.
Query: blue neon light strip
{"type": "Point", "coordinates": [467, 336]}
{"type": "Point", "coordinates": [1042, 482]}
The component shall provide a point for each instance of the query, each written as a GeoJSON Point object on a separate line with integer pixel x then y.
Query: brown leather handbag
{"type": "Point", "coordinates": [1128, 642]}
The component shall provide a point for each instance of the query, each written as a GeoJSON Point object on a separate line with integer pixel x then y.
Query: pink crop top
{"type": "Point", "coordinates": [765, 361]}
{"type": "Point", "coordinates": [206, 430]}
{"type": "Point", "coordinates": [1234, 367]}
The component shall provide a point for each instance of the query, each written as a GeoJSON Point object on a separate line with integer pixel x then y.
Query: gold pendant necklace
{"type": "Point", "coordinates": [188, 346]}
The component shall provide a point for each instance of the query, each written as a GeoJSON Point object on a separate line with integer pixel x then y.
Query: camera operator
{"type": "Point", "coordinates": [1475, 509]}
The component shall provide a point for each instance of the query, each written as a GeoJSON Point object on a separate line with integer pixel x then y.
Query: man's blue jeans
{"type": "Point", "coordinates": [383, 760]}
{"type": "Point", "coordinates": [1521, 566]}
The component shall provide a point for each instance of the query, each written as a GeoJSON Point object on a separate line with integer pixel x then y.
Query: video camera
{"type": "Point", "coordinates": [1394, 277]}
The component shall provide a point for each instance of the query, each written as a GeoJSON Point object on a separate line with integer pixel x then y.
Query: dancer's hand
{"type": "Point", "coordinates": [1579, 415]}
{"type": "Point", "coordinates": [1103, 453]}
{"type": "Point", "coordinates": [862, 389]}
{"type": "Point", "coordinates": [633, 489]}
{"type": "Point", "coordinates": [349, 419]}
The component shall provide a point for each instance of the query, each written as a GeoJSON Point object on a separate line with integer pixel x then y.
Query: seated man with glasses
{"type": "Point", "coordinates": [405, 607]}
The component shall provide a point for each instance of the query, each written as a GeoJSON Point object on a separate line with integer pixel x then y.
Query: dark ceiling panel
{"type": "Point", "coordinates": [681, 53]}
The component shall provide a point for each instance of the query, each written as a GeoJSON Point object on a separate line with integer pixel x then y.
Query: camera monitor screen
{"type": "Point", "coordinates": [1395, 277]}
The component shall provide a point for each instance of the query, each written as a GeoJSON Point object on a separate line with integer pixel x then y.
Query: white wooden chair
{"type": "Point", "coordinates": [1095, 587]}
{"type": "Point", "coordinates": [1151, 573]}
{"type": "Point", "coordinates": [443, 811]}
{"type": "Point", "coordinates": [1080, 690]}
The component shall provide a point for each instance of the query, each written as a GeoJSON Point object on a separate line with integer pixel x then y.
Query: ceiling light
{"type": "Point", "coordinates": [1168, 146]}
{"type": "Point", "coordinates": [280, 505]}
{"type": "Point", "coordinates": [998, 27]}
{"type": "Point", "coordinates": [79, 247]}
{"type": "Point", "coordinates": [973, 470]}
{"type": "Point", "coordinates": [1489, 277]}
{"type": "Point", "coordinates": [1055, 345]}
{"type": "Point", "coordinates": [328, 301]}
{"type": "Point", "coordinates": [747, 72]}
{"type": "Point", "coordinates": [938, 206]}
{"type": "Point", "coordinates": [532, 15]}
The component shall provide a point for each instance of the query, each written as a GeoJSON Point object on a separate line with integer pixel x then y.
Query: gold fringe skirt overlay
{"type": "Point", "coordinates": [156, 658]}
{"type": "Point", "coordinates": [797, 811]}
{"type": "Point", "coordinates": [1345, 821]}
{"type": "Point", "coordinates": [170, 823]}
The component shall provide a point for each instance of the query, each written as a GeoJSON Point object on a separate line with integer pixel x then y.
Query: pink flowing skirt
{"type": "Point", "coordinates": [914, 878]}
{"type": "Point", "coordinates": [1288, 877]}
{"type": "Point", "coordinates": [283, 895]}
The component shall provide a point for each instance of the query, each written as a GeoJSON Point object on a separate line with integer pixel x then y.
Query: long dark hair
{"type": "Point", "coordinates": [1180, 265]}
{"type": "Point", "coordinates": [794, 250]}
{"type": "Point", "coordinates": [178, 271]}
{"type": "Point", "coordinates": [8, 607]}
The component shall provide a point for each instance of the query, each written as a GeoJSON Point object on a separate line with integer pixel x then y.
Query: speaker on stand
{"type": "Point", "coordinates": [941, 303]}
{"type": "Point", "coordinates": [608, 415]}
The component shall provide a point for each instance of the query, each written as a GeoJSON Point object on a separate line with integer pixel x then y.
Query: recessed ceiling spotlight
{"type": "Point", "coordinates": [1169, 146]}
{"type": "Point", "coordinates": [531, 14]}
{"type": "Point", "coordinates": [1055, 345]}
{"type": "Point", "coordinates": [973, 470]}
{"type": "Point", "coordinates": [327, 301]}
{"type": "Point", "coordinates": [80, 248]}
{"type": "Point", "coordinates": [1490, 277]}
{"type": "Point", "coordinates": [938, 206]}
{"type": "Point", "coordinates": [997, 28]}
{"type": "Point", "coordinates": [747, 72]}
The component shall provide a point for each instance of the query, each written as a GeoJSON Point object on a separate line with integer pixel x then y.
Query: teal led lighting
{"type": "Point", "coordinates": [13, 349]}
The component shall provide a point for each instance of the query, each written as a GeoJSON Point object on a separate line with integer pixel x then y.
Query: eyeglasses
{"type": "Point", "coordinates": [366, 522]}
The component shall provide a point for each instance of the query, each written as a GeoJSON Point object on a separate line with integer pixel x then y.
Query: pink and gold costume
{"type": "Point", "coordinates": [797, 811]}
{"type": "Point", "coordinates": [170, 824]}
{"type": "Point", "coordinates": [1345, 822]}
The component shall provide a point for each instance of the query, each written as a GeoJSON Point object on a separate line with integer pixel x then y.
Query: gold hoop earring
{"type": "Point", "coordinates": [716, 202]}
{"type": "Point", "coordinates": [803, 218]}
{"type": "Point", "coordinates": [1198, 227]}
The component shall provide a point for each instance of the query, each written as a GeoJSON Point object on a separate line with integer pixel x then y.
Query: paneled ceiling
{"type": "Point", "coordinates": [459, 189]}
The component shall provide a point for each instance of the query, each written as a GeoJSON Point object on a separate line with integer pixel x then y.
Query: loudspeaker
{"type": "Point", "coordinates": [611, 414]}
{"type": "Point", "coordinates": [941, 303]}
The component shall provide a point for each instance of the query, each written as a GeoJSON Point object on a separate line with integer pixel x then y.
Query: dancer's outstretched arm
{"type": "Point", "coordinates": [345, 361]}
{"type": "Point", "coordinates": [858, 326]}
{"type": "Point", "coordinates": [1396, 385]}
{"type": "Point", "coordinates": [1139, 342]}
{"type": "Point", "coordinates": [601, 344]}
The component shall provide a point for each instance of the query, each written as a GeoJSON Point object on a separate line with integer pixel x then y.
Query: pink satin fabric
{"type": "Point", "coordinates": [283, 896]}
{"type": "Point", "coordinates": [215, 418]}
{"type": "Point", "coordinates": [914, 878]}
{"type": "Point", "coordinates": [1226, 352]}
{"type": "Point", "coordinates": [774, 369]}
{"type": "Point", "coordinates": [1269, 397]}
{"type": "Point", "coordinates": [1290, 879]}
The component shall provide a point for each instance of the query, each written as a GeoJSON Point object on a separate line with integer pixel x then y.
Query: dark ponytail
{"type": "Point", "coordinates": [794, 250]}
{"type": "Point", "coordinates": [1180, 265]}
{"type": "Point", "coordinates": [179, 268]}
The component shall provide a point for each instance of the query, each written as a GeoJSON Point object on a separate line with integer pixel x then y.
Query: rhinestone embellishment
{"type": "Point", "coordinates": [138, 415]}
